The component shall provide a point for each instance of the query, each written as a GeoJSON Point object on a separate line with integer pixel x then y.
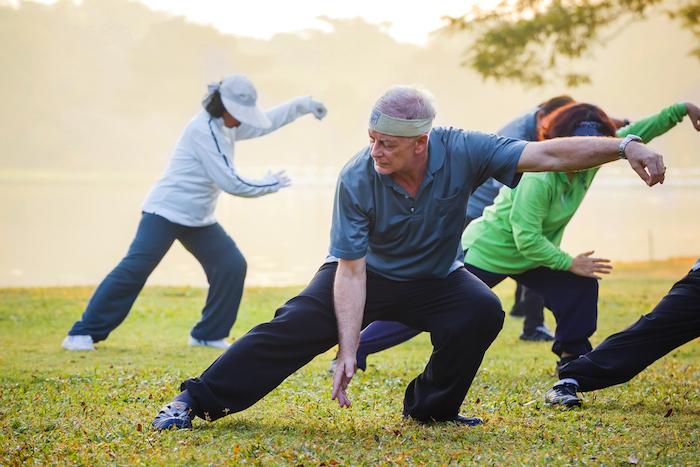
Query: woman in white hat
{"type": "Point", "coordinates": [181, 207]}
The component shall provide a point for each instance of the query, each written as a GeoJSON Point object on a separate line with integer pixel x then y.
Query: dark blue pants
{"type": "Point", "coordinates": [462, 315]}
{"type": "Point", "coordinates": [622, 356]}
{"type": "Point", "coordinates": [573, 300]}
{"type": "Point", "coordinates": [529, 304]}
{"type": "Point", "coordinates": [223, 264]}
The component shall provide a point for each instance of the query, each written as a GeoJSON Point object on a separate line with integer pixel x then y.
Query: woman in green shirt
{"type": "Point", "coordinates": [519, 235]}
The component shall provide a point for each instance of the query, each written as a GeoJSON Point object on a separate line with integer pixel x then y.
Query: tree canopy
{"type": "Point", "coordinates": [534, 42]}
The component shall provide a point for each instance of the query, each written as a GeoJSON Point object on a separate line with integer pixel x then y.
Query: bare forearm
{"type": "Point", "coordinates": [569, 154]}
{"type": "Point", "coordinates": [349, 293]}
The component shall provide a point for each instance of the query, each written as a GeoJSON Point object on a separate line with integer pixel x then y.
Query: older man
{"type": "Point", "coordinates": [395, 254]}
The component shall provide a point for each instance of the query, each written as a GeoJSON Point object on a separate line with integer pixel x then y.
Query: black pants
{"type": "Point", "coordinates": [461, 313]}
{"type": "Point", "coordinates": [620, 357]}
{"type": "Point", "coordinates": [573, 300]}
{"type": "Point", "coordinates": [529, 304]}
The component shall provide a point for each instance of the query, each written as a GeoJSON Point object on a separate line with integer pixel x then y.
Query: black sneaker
{"type": "Point", "coordinates": [539, 334]}
{"type": "Point", "coordinates": [467, 421]}
{"type": "Point", "coordinates": [175, 415]}
{"type": "Point", "coordinates": [563, 394]}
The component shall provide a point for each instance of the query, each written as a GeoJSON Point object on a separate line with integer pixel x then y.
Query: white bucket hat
{"type": "Point", "coordinates": [239, 98]}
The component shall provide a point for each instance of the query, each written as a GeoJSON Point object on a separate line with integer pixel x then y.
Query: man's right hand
{"type": "Point", "coordinates": [344, 371]}
{"type": "Point", "coordinates": [584, 265]}
{"type": "Point", "coordinates": [349, 295]}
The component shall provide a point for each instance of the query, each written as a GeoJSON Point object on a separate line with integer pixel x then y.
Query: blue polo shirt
{"type": "Point", "coordinates": [406, 238]}
{"type": "Point", "coordinates": [523, 127]}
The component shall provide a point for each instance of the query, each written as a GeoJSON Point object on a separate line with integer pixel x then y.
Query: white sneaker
{"type": "Point", "coordinates": [78, 343]}
{"type": "Point", "coordinates": [219, 343]}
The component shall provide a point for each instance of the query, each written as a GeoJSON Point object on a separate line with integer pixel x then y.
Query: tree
{"type": "Point", "coordinates": [534, 41]}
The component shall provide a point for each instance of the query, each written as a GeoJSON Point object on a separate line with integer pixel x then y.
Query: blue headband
{"type": "Point", "coordinates": [588, 128]}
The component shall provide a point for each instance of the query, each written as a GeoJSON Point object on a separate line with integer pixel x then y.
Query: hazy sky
{"type": "Point", "coordinates": [405, 21]}
{"type": "Point", "coordinates": [79, 152]}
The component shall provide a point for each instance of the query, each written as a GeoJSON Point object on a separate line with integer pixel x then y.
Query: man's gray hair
{"type": "Point", "coordinates": [407, 102]}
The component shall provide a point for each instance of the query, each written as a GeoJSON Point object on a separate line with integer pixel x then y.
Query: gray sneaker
{"type": "Point", "coordinates": [175, 415]}
{"type": "Point", "coordinates": [563, 394]}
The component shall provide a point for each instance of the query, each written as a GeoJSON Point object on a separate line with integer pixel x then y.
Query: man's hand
{"type": "Point", "coordinates": [349, 295]}
{"type": "Point", "coordinates": [648, 164]}
{"type": "Point", "coordinates": [318, 109]}
{"type": "Point", "coordinates": [344, 371]}
{"type": "Point", "coordinates": [694, 114]}
{"type": "Point", "coordinates": [584, 265]}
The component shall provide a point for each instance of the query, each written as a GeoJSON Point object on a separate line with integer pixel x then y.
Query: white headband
{"type": "Point", "coordinates": [393, 126]}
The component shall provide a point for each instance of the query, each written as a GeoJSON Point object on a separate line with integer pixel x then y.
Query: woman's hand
{"type": "Point", "coordinates": [694, 114]}
{"type": "Point", "coordinates": [584, 265]}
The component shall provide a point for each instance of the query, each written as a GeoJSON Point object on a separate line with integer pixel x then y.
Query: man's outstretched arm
{"type": "Point", "coordinates": [572, 154]}
{"type": "Point", "coordinates": [349, 294]}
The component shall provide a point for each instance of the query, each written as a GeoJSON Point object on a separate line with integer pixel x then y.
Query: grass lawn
{"type": "Point", "coordinates": [96, 407]}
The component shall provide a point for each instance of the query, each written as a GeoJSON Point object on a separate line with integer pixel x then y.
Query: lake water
{"type": "Point", "coordinates": [63, 229]}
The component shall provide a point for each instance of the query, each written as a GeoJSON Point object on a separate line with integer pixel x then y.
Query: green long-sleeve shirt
{"type": "Point", "coordinates": [523, 229]}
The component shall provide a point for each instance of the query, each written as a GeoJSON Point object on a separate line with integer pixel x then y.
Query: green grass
{"type": "Point", "coordinates": [58, 407]}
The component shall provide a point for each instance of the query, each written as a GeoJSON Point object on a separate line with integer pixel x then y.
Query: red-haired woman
{"type": "Point", "coordinates": [520, 235]}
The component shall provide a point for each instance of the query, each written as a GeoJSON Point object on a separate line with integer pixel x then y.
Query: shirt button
{"type": "Point", "coordinates": [413, 209]}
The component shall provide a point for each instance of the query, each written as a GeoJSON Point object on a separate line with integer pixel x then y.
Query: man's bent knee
{"type": "Point", "coordinates": [490, 313]}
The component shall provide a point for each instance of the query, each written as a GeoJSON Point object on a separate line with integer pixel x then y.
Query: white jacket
{"type": "Point", "coordinates": [202, 166]}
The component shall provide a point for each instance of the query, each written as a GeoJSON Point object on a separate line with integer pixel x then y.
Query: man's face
{"type": "Point", "coordinates": [391, 154]}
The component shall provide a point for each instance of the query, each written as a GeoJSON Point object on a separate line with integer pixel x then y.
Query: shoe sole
{"type": "Point", "coordinates": [172, 423]}
{"type": "Point", "coordinates": [569, 405]}
{"type": "Point", "coordinates": [530, 339]}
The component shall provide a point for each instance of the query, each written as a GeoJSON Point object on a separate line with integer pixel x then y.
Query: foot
{"type": "Point", "coordinates": [78, 343]}
{"type": "Point", "coordinates": [218, 343]}
{"type": "Point", "coordinates": [517, 311]}
{"type": "Point", "coordinates": [175, 415]}
{"type": "Point", "coordinates": [563, 394]}
{"type": "Point", "coordinates": [539, 334]}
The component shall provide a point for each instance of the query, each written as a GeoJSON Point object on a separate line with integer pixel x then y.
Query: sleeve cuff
{"type": "Point", "coordinates": [347, 254]}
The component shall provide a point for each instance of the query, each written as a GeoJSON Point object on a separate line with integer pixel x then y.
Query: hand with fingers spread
{"type": "Point", "coordinates": [648, 163]}
{"type": "Point", "coordinates": [586, 266]}
{"type": "Point", "coordinates": [694, 114]}
{"type": "Point", "coordinates": [344, 371]}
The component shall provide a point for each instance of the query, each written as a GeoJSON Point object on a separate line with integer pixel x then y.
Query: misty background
{"type": "Point", "coordinates": [96, 94]}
